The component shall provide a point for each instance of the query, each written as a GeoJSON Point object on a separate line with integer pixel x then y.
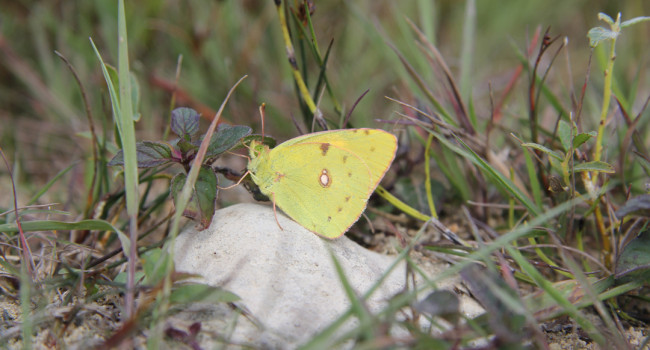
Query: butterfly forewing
{"type": "Point", "coordinates": [376, 147]}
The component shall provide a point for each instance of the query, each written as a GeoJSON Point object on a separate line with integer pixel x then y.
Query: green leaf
{"type": "Point", "coordinates": [594, 166]}
{"type": "Point", "coordinates": [149, 154]}
{"type": "Point", "coordinates": [226, 138]}
{"type": "Point", "coordinates": [112, 73]}
{"type": "Point", "coordinates": [204, 195]}
{"type": "Point", "coordinates": [122, 276]}
{"type": "Point", "coordinates": [598, 34]}
{"type": "Point", "coordinates": [564, 132]}
{"type": "Point", "coordinates": [640, 204]}
{"type": "Point", "coordinates": [194, 292]}
{"type": "Point", "coordinates": [535, 186]}
{"type": "Point", "coordinates": [635, 20]}
{"type": "Point", "coordinates": [115, 99]}
{"type": "Point", "coordinates": [634, 261]}
{"type": "Point", "coordinates": [118, 159]}
{"type": "Point", "coordinates": [544, 149]}
{"type": "Point", "coordinates": [582, 138]}
{"type": "Point", "coordinates": [135, 89]}
{"type": "Point", "coordinates": [605, 17]}
{"type": "Point", "coordinates": [185, 123]}
{"type": "Point", "coordinates": [504, 182]}
{"type": "Point", "coordinates": [135, 96]}
{"type": "Point", "coordinates": [154, 265]}
{"type": "Point", "coordinates": [51, 225]}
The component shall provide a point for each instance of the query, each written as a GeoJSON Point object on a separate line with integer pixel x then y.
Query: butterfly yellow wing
{"type": "Point", "coordinates": [323, 180]}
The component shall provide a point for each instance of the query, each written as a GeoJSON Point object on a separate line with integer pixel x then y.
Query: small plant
{"type": "Point", "coordinates": [563, 161]}
{"type": "Point", "coordinates": [182, 151]}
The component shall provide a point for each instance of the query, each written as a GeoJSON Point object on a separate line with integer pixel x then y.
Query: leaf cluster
{"type": "Point", "coordinates": [182, 151]}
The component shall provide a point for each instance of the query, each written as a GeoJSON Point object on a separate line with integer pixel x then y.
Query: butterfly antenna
{"type": "Point", "coordinates": [262, 109]}
{"type": "Point", "coordinates": [240, 155]}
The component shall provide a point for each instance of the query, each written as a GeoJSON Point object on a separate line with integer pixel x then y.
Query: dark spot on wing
{"type": "Point", "coordinates": [345, 158]}
{"type": "Point", "coordinates": [347, 198]}
{"type": "Point", "coordinates": [329, 218]}
{"type": "Point", "coordinates": [366, 131]}
{"type": "Point", "coordinates": [324, 147]}
{"type": "Point", "coordinates": [339, 209]}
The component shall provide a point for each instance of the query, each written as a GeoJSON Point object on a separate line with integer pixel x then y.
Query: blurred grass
{"type": "Point", "coordinates": [43, 126]}
{"type": "Point", "coordinates": [221, 41]}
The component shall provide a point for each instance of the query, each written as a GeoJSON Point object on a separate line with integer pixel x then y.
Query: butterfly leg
{"type": "Point", "coordinates": [275, 212]}
{"type": "Point", "coordinates": [236, 184]}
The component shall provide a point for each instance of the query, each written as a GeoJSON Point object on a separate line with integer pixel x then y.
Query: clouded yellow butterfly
{"type": "Point", "coordinates": [323, 180]}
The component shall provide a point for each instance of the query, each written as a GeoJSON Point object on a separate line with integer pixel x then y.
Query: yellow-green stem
{"type": "Point", "coordinates": [405, 208]}
{"type": "Point", "coordinates": [292, 61]}
{"type": "Point", "coordinates": [427, 177]}
{"type": "Point", "coordinates": [607, 92]}
{"type": "Point", "coordinates": [546, 259]}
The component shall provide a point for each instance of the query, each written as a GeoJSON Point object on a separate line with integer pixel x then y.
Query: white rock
{"type": "Point", "coordinates": [286, 278]}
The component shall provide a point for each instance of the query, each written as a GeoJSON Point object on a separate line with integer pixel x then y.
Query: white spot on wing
{"type": "Point", "coordinates": [324, 178]}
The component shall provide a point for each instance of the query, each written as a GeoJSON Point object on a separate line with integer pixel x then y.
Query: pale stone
{"type": "Point", "coordinates": [285, 277]}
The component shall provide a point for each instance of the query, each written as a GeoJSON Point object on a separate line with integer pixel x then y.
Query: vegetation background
{"type": "Point", "coordinates": [222, 40]}
{"type": "Point", "coordinates": [44, 123]}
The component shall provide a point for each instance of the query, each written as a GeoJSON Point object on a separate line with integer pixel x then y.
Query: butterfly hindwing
{"type": "Point", "coordinates": [316, 192]}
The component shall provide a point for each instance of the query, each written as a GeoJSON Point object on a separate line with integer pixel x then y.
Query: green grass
{"type": "Point", "coordinates": [458, 80]}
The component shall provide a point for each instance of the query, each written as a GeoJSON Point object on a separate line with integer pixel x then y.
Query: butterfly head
{"type": "Point", "coordinates": [257, 148]}
{"type": "Point", "coordinates": [259, 157]}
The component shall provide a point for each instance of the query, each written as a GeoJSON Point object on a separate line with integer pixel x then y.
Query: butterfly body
{"type": "Point", "coordinates": [323, 180]}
